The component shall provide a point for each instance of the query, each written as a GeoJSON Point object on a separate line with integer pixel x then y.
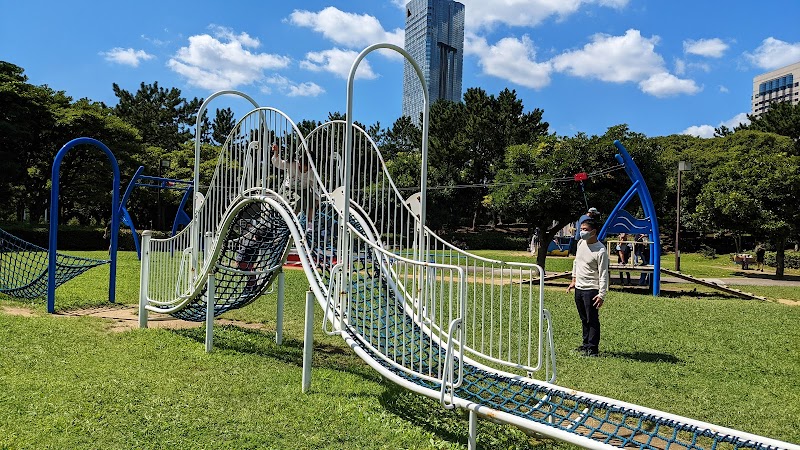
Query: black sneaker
{"type": "Point", "coordinates": [579, 349]}
{"type": "Point", "coordinates": [592, 353]}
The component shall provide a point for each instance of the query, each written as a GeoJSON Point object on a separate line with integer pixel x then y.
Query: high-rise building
{"type": "Point", "coordinates": [435, 39]}
{"type": "Point", "coordinates": [780, 85]}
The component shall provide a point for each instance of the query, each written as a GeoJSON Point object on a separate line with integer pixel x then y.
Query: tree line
{"type": "Point", "coordinates": [490, 160]}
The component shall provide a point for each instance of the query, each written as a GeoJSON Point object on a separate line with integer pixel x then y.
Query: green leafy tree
{"type": "Point", "coordinates": [753, 188]}
{"type": "Point", "coordinates": [223, 125]}
{"type": "Point", "coordinates": [781, 118]}
{"type": "Point", "coordinates": [534, 185]}
{"type": "Point", "coordinates": [163, 118]}
{"type": "Point", "coordinates": [402, 137]}
{"type": "Point", "coordinates": [86, 173]}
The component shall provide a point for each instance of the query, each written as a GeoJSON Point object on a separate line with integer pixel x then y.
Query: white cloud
{"type": "Point", "coordinates": [290, 88]}
{"type": "Point", "coordinates": [524, 13]}
{"type": "Point", "coordinates": [703, 131]}
{"type": "Point", "coordinates": [337, 62]}
{"type": "Point", "coordinates": [629, 58]}
{"type": "Point", "coordinates": [223, 61]}
{"type": "Point", "coordinates": [618, 59]}
{"type": "Point", "coordinates": [680, 66]}
{"type": "Point", "coordinates": [707, 131]}
{"type": "Point", "coordinates": [307, 89]}
{"type": "Point", "coordinates": [511, 59]}
{"type": "Point", "coordinates": [723, 89]}
{"type": "Point", "coordinates": [347, 29]}
{"type": "Point", "coordinates": [154, 41]}
{"type": "Point", "coordinates": [736, 120]}
{"type": "Point", "coordinates": [665, 84]}
{"type": "Point", "coordinates": [126, 56]}
{"type": "Point", "coordinates": [712, 48]}
{"type": "Point", "coordinates": [774, 53]}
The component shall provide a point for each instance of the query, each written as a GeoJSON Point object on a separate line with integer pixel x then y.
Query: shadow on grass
{"type": "Point", "coordinates": [453, 425]}
{"type": "Point", "coordinates": [260, 343]}
{"type": "Point", "coordinates": [765, 275]}
{"type": "Point", "coordinates": [695, 294]}
{"type": "Point", "coordinates": [647, 357]}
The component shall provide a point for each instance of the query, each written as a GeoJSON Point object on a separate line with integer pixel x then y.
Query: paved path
{"type": "Point", "coordinates": [761, 280]}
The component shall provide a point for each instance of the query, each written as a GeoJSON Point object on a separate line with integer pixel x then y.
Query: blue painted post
{"type": "Point", "coordinates": [54, 191]}
{"type": "Point", "coordinates": [649, 210]}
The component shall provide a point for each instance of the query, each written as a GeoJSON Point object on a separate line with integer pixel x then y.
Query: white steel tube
{"type": "Point", "coordinates": [144, 275]}
{"type": "Point", "coordinates": [279, 318]}
{"type": "Point", "coordinates": [308, 341]}
{"type": "Point", "coordinates": [195, 233]}
{"type": "Point", "coordinates": [211, 287]}
{"type": "Point", "coordinates": [472, 442]}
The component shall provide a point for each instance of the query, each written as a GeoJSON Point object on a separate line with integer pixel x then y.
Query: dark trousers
{"type": "Point", "coordinates": [590, 319]}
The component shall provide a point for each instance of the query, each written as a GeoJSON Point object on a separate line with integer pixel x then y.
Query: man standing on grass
{"type": "Point", "coordinates": [590, 281]}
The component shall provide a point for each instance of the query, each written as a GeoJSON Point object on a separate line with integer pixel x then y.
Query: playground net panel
{"type": "Point", "coordinates": [23, 267]}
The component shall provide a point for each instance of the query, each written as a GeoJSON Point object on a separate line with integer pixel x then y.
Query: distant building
{"type": "Point", "coordinates": [435, 39]}
{"type": "Point", "coordinates": [778, 86]}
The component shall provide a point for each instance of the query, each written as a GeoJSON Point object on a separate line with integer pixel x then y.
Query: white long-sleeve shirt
{"type": "Point", "coordinates": [590, 267]}
{"type": "Point", "coordinates": [294, 178]}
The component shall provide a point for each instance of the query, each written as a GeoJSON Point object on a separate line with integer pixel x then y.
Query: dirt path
{"type": "Point", "coordinates": [126, 318]}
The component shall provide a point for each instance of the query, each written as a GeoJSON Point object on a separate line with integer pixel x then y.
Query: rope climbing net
{"type": "Point", "coordinates": [23, 267]}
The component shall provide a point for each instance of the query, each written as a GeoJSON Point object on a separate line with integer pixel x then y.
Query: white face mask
{"type": "Point", "coordinates": [586, 234]}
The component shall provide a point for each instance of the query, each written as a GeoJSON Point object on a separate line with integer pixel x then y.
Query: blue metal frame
{"type": "Point", "coordinates": [54, 191]}
{"type": "Point", "coordinates": [621, 221]}
{"type": "Point", "coordinates": [181, 218]}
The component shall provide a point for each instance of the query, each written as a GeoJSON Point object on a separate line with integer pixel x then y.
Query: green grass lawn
{"type": "Point", "coordinates": [70, 382]}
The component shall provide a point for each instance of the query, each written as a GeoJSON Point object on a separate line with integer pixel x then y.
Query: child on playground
{"type": "Point", "coordinates": [297, 183]}
{"type": "Point", "coordinates": [623, 257]}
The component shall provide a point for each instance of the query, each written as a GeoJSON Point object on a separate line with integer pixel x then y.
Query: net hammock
{"type": "Point", "coordinates": [24, 267]}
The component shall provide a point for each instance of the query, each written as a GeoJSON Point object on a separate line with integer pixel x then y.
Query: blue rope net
{"type": "Point", "coordinates": [380, 310]}
{"type": "Point", "coordinates": [24, 267]}
{"type": "Point", "coordinates": [251, 256]}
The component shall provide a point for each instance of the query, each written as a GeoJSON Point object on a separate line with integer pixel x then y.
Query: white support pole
{"type": "Point", "coordinates": [210, 288]}
{"type": "Point", "coordinates": [308, 341]}
{"type": "Point", "coordinates": [472, 442]}
{"type": "Point", "coordinates": [144, 275]}
{"type": "Point", "coordinates": [279, 319]}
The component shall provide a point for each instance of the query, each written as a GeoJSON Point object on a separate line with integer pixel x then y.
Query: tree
{"type": "Point", "coordinates": [536, 185]}
{"type": "Point", "coordinates": [27, 118]}
{"type": "Point", "coordinates": [163, 118]}
{"type": "Point", "coordinates": [86, 172]}
{"type": "Point", "coordinates": [781, 118]}
{"type": "Point", "coordinates": [223, 125]}
{"type": "Point", "coordinates": [754, 188]}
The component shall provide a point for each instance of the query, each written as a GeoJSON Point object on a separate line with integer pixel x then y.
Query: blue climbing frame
{"type": "Point", "coordinates": [54, 191]}
{"type": "Point", "coordinates": [621, 221]}
{"type": "Point", "coordinates": [141, 180]}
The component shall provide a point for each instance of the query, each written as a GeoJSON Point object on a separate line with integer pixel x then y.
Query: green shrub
{"type": "Point", "coordinates": [707, 251]}
{"type": "Point", "coordinates": [489, 240]}
{"type": "Point", "coordinates": [791, 260]}
{"type": "Point", "coordinates": [75, 238]}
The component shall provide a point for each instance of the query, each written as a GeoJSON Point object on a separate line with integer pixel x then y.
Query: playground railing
{"type": "Point", "coordinates": [504, 320]}
{"type": "Point", "coordinates": [408, 313]}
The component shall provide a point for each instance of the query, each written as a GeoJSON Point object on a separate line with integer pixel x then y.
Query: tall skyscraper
{"type": "Point", "coordinates": [435, 39]}
{"type": "Point", "coordinates": [780, 85]}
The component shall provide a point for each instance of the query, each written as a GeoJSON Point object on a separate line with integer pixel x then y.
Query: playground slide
{"type": "Point", "coordinates": [465, 330]}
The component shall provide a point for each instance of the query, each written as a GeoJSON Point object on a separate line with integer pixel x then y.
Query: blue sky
{"type": "Point", "coordinates": [662, 67]}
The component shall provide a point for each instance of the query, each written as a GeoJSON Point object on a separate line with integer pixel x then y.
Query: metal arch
{"type": "Point", "coordinates": [114, 230]}
{"type": "Point", "coordinates": [196, 182]}
{"type": "Point", "coordinates": [348, 169]}
{"type": "Point", "coordinates": [638, 187]}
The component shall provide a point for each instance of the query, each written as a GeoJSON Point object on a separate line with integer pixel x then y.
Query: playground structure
{"type": "Point", "coordinates": [469, 331]}
{"type": "Point", "coordinates": [24, 267]}
{"type": "Point", "coordinates": [30, 271]}
{"type": "Point", "coordinates": [139, 179]}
